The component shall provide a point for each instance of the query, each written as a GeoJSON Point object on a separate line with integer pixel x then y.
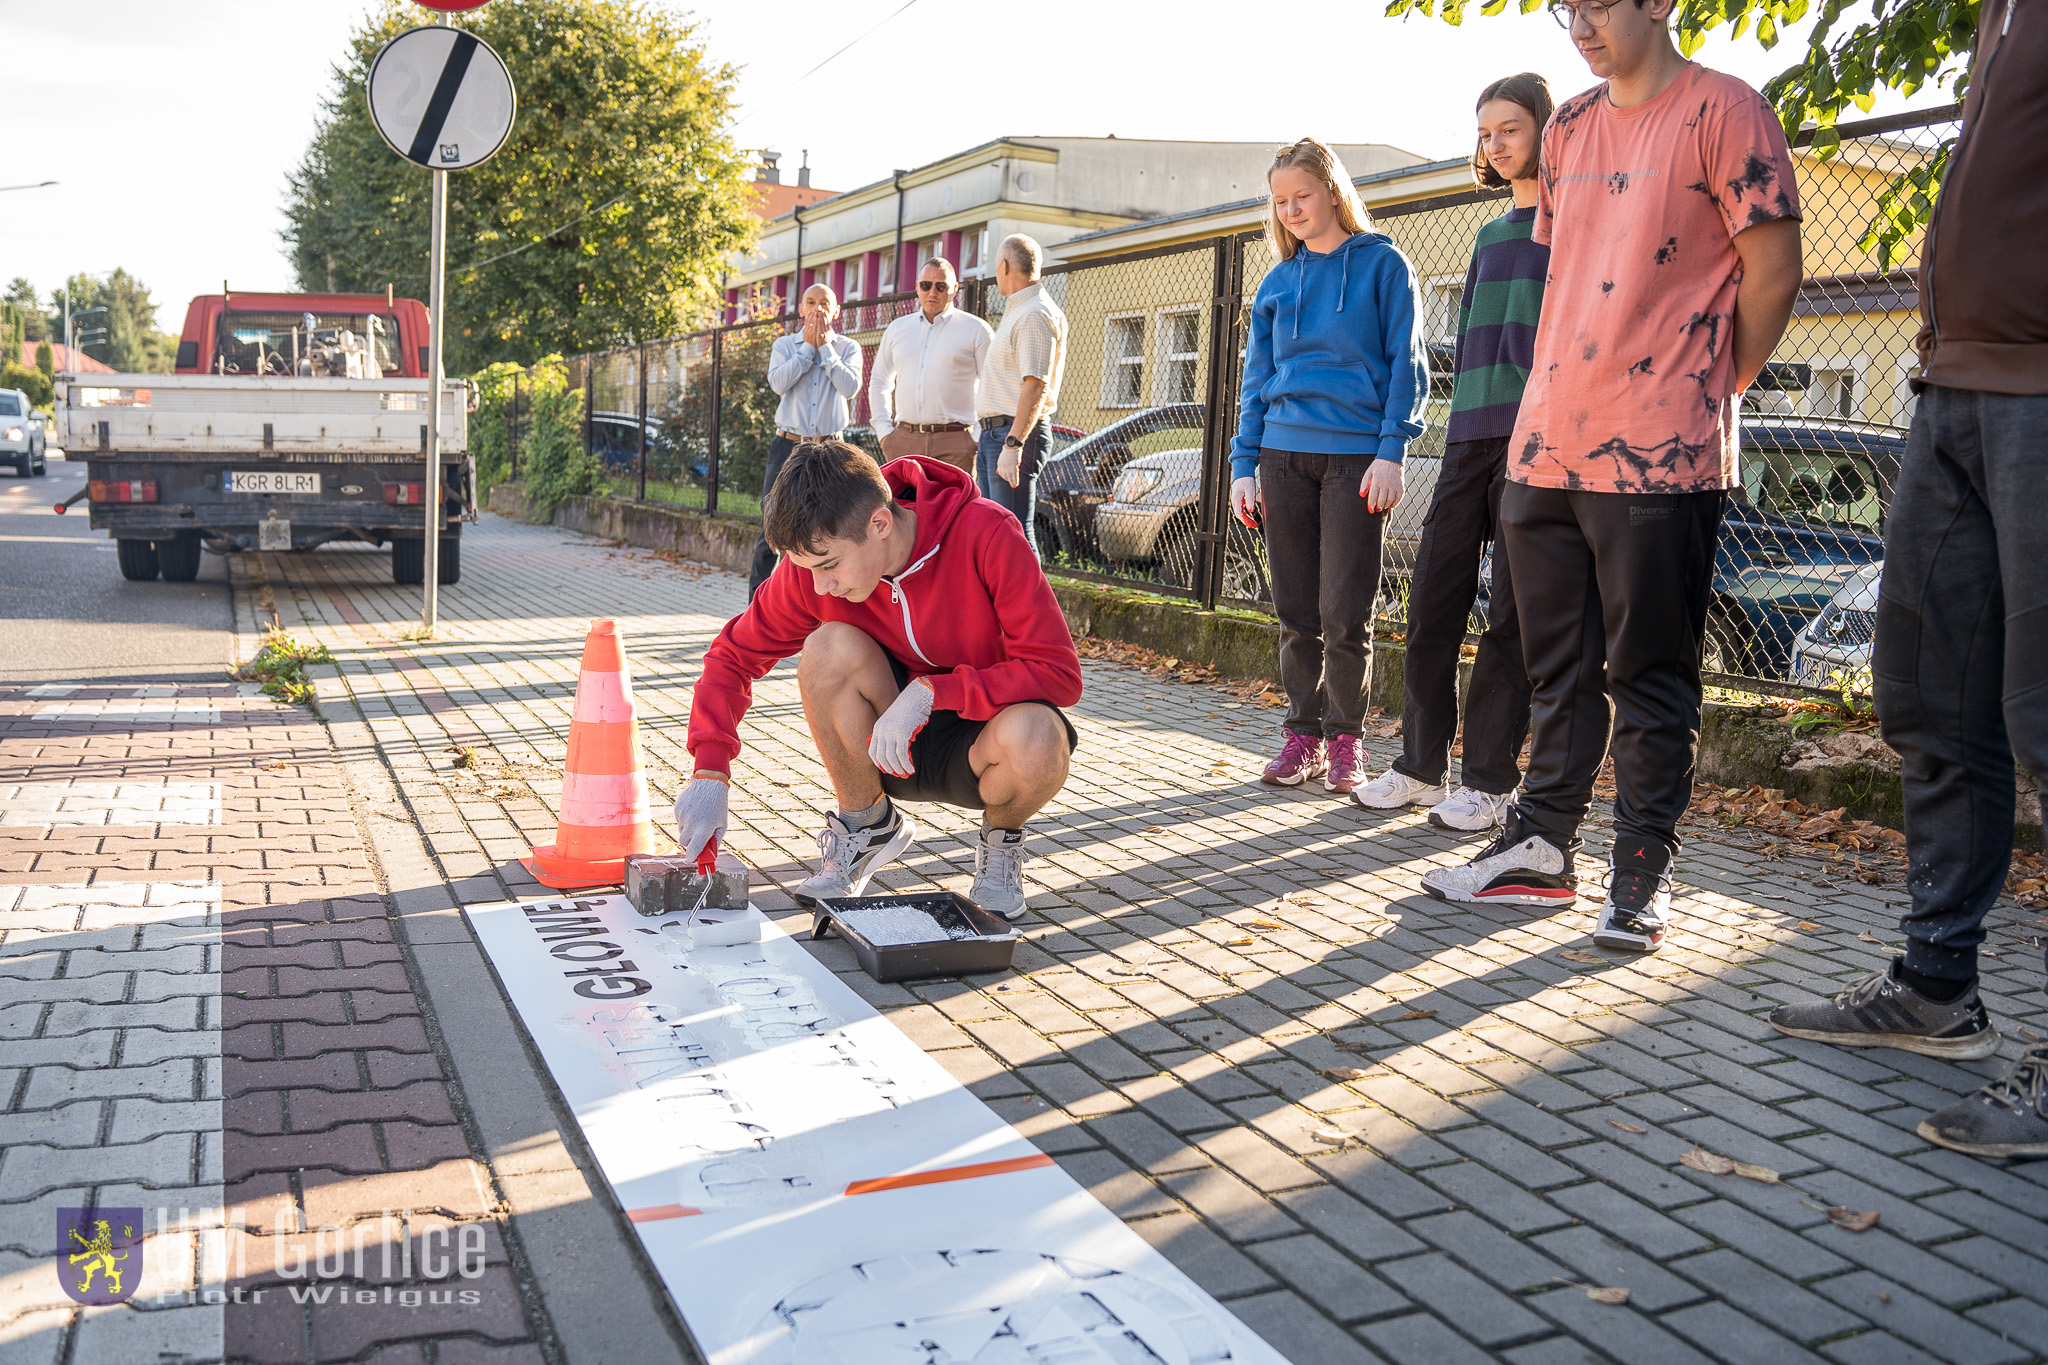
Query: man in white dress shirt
{"type": "Point", "coordinates": [1020, 383]}
{"type": "Point", "coordinates": [921, 386]}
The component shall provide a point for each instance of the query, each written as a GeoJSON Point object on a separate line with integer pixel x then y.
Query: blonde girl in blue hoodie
{"type": "Point", "coordinates": [1335, 377]}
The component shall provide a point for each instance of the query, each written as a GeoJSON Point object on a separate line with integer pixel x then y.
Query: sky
{"type": "Point", "coordinates": [172, 127]}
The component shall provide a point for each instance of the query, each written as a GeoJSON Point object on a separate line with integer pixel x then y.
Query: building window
{"type": "Point", "coordinates": [1178, 376]}
{"type": "Point", "coordinates": [1904, 400]}
{"type": "Point", "coordinates": [971, 245]}
{"type": "Point", "coordinates": [1836, 389]}
{"type": "Point", "coordinates": [1441, 297]}
{"type": "Point", "coordinates": [1123, 361]}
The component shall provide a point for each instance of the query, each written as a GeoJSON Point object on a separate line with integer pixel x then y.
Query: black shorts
{"type": "Point", "coordinates": [942, 770]}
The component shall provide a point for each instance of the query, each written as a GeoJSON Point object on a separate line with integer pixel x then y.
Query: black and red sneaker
{"type": "Point", "coordinates": [1532, 871]}
{"type": "Point", "coordinates": [1637, 911]}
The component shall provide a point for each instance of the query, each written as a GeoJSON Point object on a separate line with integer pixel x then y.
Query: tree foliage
{"type": "Point", "coordinates": [619, 190]}
{"type": "Point", "coordinates": [132, 342]}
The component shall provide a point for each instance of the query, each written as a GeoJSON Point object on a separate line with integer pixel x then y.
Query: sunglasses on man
{"type": "Point", "coordinates": [941, 285]}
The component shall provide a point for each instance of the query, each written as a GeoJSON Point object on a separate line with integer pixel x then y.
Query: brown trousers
{"type": "Point", "coordinates": [956, 448]}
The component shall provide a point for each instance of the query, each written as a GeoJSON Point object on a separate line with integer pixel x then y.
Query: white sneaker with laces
{"type": "Point", "coordinates": [1470, 811]}
{"type": "Point", "coordinates": [1532, 872]}
{"type": "Point", "coordinates": [1392, 790]}
{"type": "Point", "coordinates": [999, 872]}
{"type": "Point", "coordinates": [850, 856]}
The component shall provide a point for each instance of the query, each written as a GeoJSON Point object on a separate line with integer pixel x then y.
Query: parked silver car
{"type": "Point", "coordinates": [21, 433]}
{"type": "Point", "coordinates": [1833, 649]}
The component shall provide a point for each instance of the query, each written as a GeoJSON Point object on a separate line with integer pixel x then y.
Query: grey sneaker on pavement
{"type": "Point", "coordinates": [1883, 1011]}
{"type": "Point", "coordinates": [848, 857]}
{"type": "Point", "coordinates": [999, 872]}
{"type": "Point", "coordinates": [2006, 1118]}
{"type": "Point", "coordinates": [1532, 872]}
{"type": "Point", "coordinates": [1392, 790]}
{"type": "Point", "coordinates": [1470, 811]}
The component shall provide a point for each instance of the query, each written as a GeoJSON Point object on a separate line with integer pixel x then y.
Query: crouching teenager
{"type": "Point", "coordinates": [934, 664]}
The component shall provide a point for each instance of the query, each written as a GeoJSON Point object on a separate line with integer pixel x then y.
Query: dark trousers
{"type": "Point", "coordinates": [1464, 514]}
{"type": "Point", "coordinates": [1324, 550]}
{"type": "Point", "coordinates": [1612, 589]}
{"type": "Point", "coordinates": [764, 555]}
{"type": "Point", "coordinates": [1022, 499]}
{"type": "Point", "coordinates": [1961, 654]}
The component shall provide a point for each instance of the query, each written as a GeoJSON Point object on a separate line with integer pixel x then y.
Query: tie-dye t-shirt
{"type": "Point", "coordinates": [1633, 387]}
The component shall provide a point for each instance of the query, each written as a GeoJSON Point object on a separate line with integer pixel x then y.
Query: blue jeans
{"type": "Point", "coordinates": [1961, 655]}
{"type": "Point", "coordinates": [1023, 498]}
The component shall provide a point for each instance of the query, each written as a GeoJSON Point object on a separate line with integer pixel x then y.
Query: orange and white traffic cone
{"type": "Point", "coordinates": [604, 794]}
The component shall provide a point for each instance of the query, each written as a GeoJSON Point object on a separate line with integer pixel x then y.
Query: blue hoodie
{"type": "Point", "coordinates": [1335, 365]}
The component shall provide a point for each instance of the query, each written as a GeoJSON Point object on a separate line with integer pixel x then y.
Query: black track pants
{"type": "Point", "coordinates": [1464, 514]}
{"type": "Point", "coordinates": [1612, 589]}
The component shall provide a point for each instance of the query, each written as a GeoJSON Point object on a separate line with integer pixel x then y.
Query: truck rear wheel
{"type": "Point", "coordinates": [179, 557]}
{"type": "Point", "coordinates": [138, 559]}
{"type": "Point", "coordinates": [409, 561]}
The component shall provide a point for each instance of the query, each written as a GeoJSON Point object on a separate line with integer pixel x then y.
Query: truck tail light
{"type": "Point", "coordinates": [404, 494]}
{"type": "Point", "coordinates": [122, 490]}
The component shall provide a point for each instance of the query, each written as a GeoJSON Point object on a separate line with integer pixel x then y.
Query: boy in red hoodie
{"type": "Point", "coordinates": [935, 661]}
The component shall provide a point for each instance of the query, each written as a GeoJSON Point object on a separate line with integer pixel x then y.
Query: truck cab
{"type": "Point", "coordinates": [282, 334]}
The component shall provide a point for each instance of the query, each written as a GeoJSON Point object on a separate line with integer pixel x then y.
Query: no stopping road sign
{"type": "Point", "coordinates": [441, 98]}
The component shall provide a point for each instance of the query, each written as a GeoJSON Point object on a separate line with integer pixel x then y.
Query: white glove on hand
{"type": "Point", "coordinates": [701, 813]}
{"type": "Point", "coordinates": [889, 745]}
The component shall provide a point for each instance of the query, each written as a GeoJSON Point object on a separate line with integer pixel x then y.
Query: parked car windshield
{"type": "Point", "coordinates": [10, 406]}
{"type": "Point", "coordinates": [1825, 487]}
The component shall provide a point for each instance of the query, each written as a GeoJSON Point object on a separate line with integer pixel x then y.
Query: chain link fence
{"type": "Point", "coordinates": [1136, 487]}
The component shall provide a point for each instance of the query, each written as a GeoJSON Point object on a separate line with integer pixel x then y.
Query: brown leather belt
{"type": "Point", "coordinates": [797, 439]}
{"type": "Point", "coordinates": [932, 428]}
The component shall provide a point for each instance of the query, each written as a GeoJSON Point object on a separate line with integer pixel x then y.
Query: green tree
{"type": "Point", "coordinates": [46, 358]}
{"type": "Point", "coordinates": [34, 383]}
{"type": "Point", "coordinates": [132, 342]}
{"type": "Point", "coordinates": [26, 308]}
{"type": "Point", "coordinates": [619, 189]}
{"type": "Point", "coordinates": [1904, 46]}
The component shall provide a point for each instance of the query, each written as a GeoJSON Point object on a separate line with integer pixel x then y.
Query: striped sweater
{"type": "Point", "coordinates": [1497, 327]}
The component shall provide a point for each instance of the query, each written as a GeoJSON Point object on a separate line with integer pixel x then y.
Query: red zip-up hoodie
{"type": "Point", "coordinates": [971, 612]}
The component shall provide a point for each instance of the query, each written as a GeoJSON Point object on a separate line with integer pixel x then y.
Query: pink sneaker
{"type": "Point", "coordinates": [1346, 766]}
{"type": "Point", "coordinates": [1300, 759]}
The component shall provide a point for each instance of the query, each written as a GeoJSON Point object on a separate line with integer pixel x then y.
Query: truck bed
{"type": "Point", "coordinates": [322, 420]}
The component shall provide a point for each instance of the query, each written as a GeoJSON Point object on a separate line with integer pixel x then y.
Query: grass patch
{"type": "Point", "coordinates": [280, 666]}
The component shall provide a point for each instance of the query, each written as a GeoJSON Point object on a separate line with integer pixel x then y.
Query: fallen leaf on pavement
{"type": "Point", "coordinates": [1155, 829]}
{"type": "Point", "coordinates": [1305, 898]}
{"type": "Point", "coordinates": [1808, 925]}
{"type": "Point", "coordinates": [1869, 937]}
{"type": "Point", "coordinates": [1239, 942]}
{"type": "Point", "coordinates": [1581, 955]}
{"type": "Point", "coordinates": [2027, 1032]}
{"type": "Point", "coordinates": [1265, 924]}
{"type": "Point", "coordinates": [1616, 1296]}
{"type": "Point", "coordinates": [1331, 1135]}
{"type": "Point", "coordinates": [1342, 1073]}
{"type": "Point", "coordinates": [1125, 969]}
{"type": "Point", "coordinates": [1710, 1163]}
{"type": "Point", "coordinates": [1759, 1173]}
{"type": "Point", "coordinates": [1627, 1127]}
{"type": "Point", "coordinates": [1842, 1216]}
{"type": "Point", "coordinates": [1419, 1014]}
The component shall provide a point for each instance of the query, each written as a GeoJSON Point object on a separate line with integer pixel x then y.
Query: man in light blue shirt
{"type": "Point", "coordinates": [817, 373]}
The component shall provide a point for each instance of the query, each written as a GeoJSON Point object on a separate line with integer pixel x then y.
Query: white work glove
{"type": "Point", "coordinates": [1245, 502]}
{"type": "Point", "coordinates": [701, 813]}
{"type": "Point", "coordinates": [889, 745]}
{"type": "Point", "coordinates": [1010, 465]}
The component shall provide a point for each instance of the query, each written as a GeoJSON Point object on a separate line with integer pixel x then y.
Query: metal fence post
{"type": "Point", "coordinates": [511, 438]}
{"type": "Point", "coordinates": [589, 400]}
{"type": "Point", "coordinates": [641, 496]}
{"type": "Point", "coordinates": [717, 408]}
{"type": "Point", "coordinates": [1213, 513]}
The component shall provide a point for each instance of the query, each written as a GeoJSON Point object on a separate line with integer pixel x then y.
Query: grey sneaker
{"type": "Point", "coordinates": [2006, 1118]}
{"type": "Point", "coordinates": [1470, 811]}
{"type": "Point", "coordinates": [848, 857]}
{"type": "Point", "coordinates": [999, 872]}
{"type": "Point", "coordinates": [1392, 790]}
{"type": "Point", "coordinates": [1883, 1011]}
{"type": "Point", "coordinates": [1532, 872]}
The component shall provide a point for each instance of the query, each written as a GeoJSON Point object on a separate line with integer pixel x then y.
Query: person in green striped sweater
{"type": "Point", "coordinates": [1496, 343]}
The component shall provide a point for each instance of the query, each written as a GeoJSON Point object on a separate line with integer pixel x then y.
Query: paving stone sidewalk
{"type": "Point", "coordinates": [1381, 1128]}
{"type": "Point", "coordinates": [204, 1017]}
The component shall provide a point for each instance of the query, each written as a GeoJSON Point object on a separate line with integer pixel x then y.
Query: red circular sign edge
{"type": "Point", "coordinates": [452, 6]}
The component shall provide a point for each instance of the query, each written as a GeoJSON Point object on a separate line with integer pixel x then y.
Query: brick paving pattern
{"type": "Point", "coordinates": [203, 1014]}
{"type": "Point", "coordinates": [1204, 953]}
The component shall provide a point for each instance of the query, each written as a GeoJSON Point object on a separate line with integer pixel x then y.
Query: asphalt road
{"type": "Point", "coordinates": [67, 615]}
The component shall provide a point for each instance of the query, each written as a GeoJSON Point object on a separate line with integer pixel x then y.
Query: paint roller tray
{"type": "Point", "coordinates": [905, 937]}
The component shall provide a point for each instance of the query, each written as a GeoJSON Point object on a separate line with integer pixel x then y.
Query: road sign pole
{"type": "Point", "coordinates": [437, 506]}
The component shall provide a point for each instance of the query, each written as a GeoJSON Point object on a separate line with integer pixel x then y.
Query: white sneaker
{"type": "Point", "coordinates": [850, 856]}
{"type": "Point", "coordinates": [1470, 811]}
{"type": "Point", "coordinates": [999, 872]}
{"type": "Point", "coordinates": [1533, 872]}
{"type": "Point", "coordinates": [1391, 790]}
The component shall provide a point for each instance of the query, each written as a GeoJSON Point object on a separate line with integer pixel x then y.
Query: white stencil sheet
{"type": "Point", "coordinates": [813, 1188]}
